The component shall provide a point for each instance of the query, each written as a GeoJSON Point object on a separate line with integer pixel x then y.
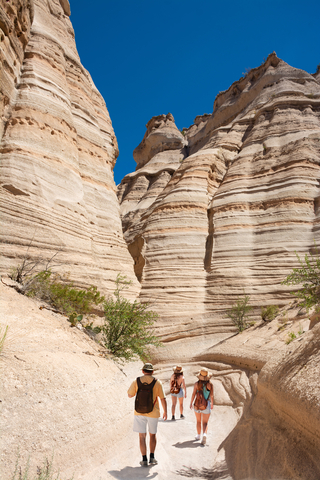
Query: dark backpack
{"type": "Point", "coordinates": [200, 402]}
{"type": "Point", "coordinates": [144, 397]}
{"type": "Point", "coordinates": [174, 387]}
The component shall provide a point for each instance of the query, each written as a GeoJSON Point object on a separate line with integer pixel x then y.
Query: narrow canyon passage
{"type": "Point", "coordinates": [178, 453]}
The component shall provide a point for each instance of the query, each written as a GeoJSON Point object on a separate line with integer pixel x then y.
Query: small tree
{"type": "Point", "coordinates": [308, 276]}
{"type": "Point", "coordinates": [52, 289]}
{"type": "Point", "coordinates": [127, 330]}
{"type": "Point", "coordinates": [239, 313]}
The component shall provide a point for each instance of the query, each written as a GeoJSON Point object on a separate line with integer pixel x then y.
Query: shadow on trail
{"type": "Point", "coordinates": [188, 444]}
{"type": "Point", "coordinates": [218, 472]}
{"type": "Point", "coordinates": [133, 472]}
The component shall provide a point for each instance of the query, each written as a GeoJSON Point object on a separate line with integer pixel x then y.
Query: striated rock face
{"type": "Point", "coordinates": [278, 435]}
{"type": "Point", "coordinates": [57, 150]}
{"type": "Point", "coordinates": [229, 216]}
{"type": "Point", "coordinates": [158, 156]}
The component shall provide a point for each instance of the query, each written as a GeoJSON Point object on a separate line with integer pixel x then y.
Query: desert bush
{"type": "Point", "coordinates": [127, 329]}
{"type": "Point", "coordinates": [239, 313]}
{"type": "Point", "coordinates": [63, 296]}
{"type": "Point", "coordinates": [269, 312]}
{"type": "Point", "coordinates": [308, 276]}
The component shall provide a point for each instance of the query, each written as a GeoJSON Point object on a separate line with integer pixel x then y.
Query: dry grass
{"type": "Point", "coordinates": [3, 336]}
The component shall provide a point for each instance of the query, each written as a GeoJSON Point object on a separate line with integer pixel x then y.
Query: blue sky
{"type": "Point", "coordinates": [151, 57]}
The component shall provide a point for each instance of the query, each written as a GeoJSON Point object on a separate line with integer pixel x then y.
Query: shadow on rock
{"type": "Point", "coordinates": [218, 472]}
{"type": "Point", "coordinates": [133, 472]}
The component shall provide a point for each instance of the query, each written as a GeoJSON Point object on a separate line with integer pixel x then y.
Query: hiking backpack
{"type": "Point", "coordinates": [200, 402]}
{"type": "Point", "coordinates": [144, 397]}
{"type": "Point", "coordinates": [174, 387]}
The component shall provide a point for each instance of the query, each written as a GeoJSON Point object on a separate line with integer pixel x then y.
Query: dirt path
{"type": "Point", "coordinates": [178, 453]}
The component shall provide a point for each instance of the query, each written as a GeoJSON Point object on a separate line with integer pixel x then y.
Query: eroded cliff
{"type": "Point", "coordinates": [278, 435]}
{"type": "Point", "coordinates": [236, 194]}
{"type": "Point", "coordinates": [58, 150]}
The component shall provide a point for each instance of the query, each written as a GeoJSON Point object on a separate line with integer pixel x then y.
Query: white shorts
{"type": "Point", "coordinates": [140, 423]}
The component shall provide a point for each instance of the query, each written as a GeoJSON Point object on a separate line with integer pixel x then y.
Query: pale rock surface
{"type": "Point", "coordinates": [279, 433]}
{"type": "Point", "coordinates": [234, 211]}
{"type": "Point", "coordinates": [57, 151]}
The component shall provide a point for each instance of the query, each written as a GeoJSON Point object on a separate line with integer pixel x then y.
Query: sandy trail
{"type": "Point", "coordinates": [178, 453]}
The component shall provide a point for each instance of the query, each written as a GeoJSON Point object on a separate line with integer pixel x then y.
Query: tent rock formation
{"type": "Point", "coordinates": [58, 150]}
{"type": "Point", "coordinates": [220, 208]}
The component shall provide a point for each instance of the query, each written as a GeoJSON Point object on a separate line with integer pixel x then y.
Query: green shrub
{"type": "Point", "coordinates": [291, 337]}
{"type": "Point", "coordinates": [127, 329]}
{"type": "Point", "coordinates": [63, 296]}
{"type": "Point", "coordinates": [239, 313]}
{"type": "Point", "coordinates": [269, 313]}
{"type": "Point", "coordinates": [308, 276]}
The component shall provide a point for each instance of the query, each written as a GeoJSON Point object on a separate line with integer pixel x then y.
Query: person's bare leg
{"type": "Point", "coordinates": [142, 443]}
{"type": "Point", "coordinates": [205, 420]}
{"type": "Point", "coordinates": [174, 403]}
{"type": "Point", "coordinates": [198, 417]}
{"type": "Point", "coordinates": [181, 405]}
{"type": "Point", "coordinates": [153, 442]}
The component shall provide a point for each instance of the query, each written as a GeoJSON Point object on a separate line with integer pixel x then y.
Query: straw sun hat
{"type": "Point", "coordinates": [177, 369]}
{"type": "Point", "coordinates": [204, 374]}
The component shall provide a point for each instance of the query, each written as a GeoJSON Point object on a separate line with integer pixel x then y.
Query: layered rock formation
{"type": "Point", "coordinates": [158, 156]}
{"type": "Point", "coordinates": [58, 150]}
{"type": "Point", "coordinates": [228, 214]}
{"type": "Point", "coordinates": [279, 433]}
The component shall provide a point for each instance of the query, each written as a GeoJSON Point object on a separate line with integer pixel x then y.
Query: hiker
{"type": "Point", "coordinates": [177, 390]}
{"type": "Point", "coordinates": [147, 389]}
{"type": "Point", "coordinates": [203, 404]}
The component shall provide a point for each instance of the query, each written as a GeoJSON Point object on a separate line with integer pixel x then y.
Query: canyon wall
{"type": "Point", "coordinates": [58, 150]}
{"type": "Point", "coordinates": [220, 208]}
{"type": "Point", "coordinates": [278, 435]}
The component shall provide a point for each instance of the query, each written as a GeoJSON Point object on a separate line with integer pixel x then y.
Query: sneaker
{"type": "Point", "coordinates": [182, 416]}
{"type": "Point", "coordinates": [173, 417]}
{"type": "Point", "coordinates": [144, 463]}
{"type": "Point", "coordinates": [204, 440]}
{"type": "Point", "coordinates": [197, 437]}
{"type": "Point", "coordinates": [153, 461]}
